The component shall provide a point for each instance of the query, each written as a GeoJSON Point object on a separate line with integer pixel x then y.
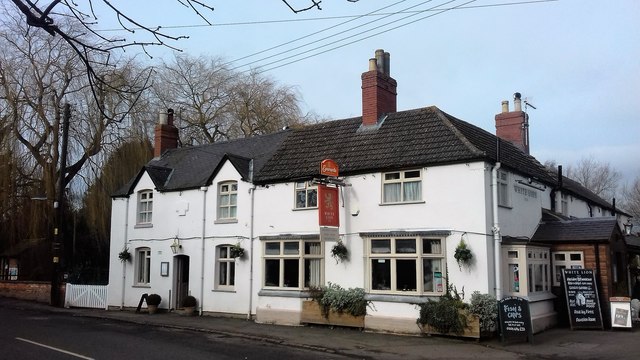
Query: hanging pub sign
{"type": "Point", "coordinates": [582, 299]}
{"type": "Point", "coordinates": [329, 168]}
{"type": "Point", "coordinates": [515, 319]}
{"type": "Point", "coordinates": [328, 206]}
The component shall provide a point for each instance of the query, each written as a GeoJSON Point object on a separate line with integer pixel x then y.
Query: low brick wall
{"type": "Point", "coordinates": [38, 291]}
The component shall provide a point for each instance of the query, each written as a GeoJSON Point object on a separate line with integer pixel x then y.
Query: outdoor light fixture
{"type": "Point", "coordinates": [175, 247]}
{"type": "Point", "coordinates": [627, 227]}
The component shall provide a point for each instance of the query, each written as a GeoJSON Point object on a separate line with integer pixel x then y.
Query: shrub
{"type": "Point", "coordinates": [189, 301]}
{"type": "Point", "coordinates": [336, 298]}
{"type": "Point", "coordinates": [444, 314]}
{"type": "Point", "coordinates": [339, 252]}
{"type": "Point", "coordinates": [153, 299]}
{"type": "Point", "coordinates": [486, 307]}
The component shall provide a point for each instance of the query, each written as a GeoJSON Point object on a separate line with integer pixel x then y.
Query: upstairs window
{"type": "Point", "coordinates": [503, 188]}
{"type": "Point", "coordinates": [306, 195]}
{"type": "Point", "coordinates": [402, 186]}
{"type": "Point", "coordinates": [145, 206]}
{"type": "Point", "coordinates": [227, 200]}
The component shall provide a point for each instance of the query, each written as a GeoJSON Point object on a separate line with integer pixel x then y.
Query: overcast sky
{"type": "Point", "coordinates": [576, 61]}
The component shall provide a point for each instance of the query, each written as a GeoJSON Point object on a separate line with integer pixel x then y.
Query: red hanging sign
{"type": "Point", "coordinates": [329, 167]}
{"type": "Point", "coordinates": [328, 206]}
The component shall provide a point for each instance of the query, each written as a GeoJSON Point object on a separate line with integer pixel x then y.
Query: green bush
{"type": "Point", "coordinates": [336, 298]}
{"type": "Point", "coordinates": [486, 307]}
{"type": "Point", "coordinates": [444, 314]}
{"type": "Point", "coordinates": [153, 299]}
{"type": "Point", "coordinates": [189, 301]}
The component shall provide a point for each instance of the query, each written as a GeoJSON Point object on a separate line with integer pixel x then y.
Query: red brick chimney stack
{"type": "Point", "coordinates": [513, 125]}
{"type": "Point", "coordinates": [166, 135]}
{"type": "Point", "coordinates": [378, 90]}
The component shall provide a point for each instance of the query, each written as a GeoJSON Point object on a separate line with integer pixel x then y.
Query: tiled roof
{"type": "Point", "coordinates": [412, 138]}
{"type": "Point", "coordinates": [579, 190]}
{"type": "Point", "coordinates": [579, 230]}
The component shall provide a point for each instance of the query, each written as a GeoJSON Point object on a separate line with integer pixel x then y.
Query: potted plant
{"type": "Point", "coordinates": [153, 300]}
{"type": "Point", "coordinates": [463, 254]}
{"type": "Point", "coordinates": [335, 305]}
{"type": "Point", "coordinates": [339, 251]}
{"type": "Point", "coordinates": [124, 255]}
{"type": "Point", "coordinates": [189, 304]}
{"type": "Point", "coordinates": [237, 251]}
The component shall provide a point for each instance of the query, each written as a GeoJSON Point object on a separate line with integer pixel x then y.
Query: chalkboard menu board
{"type": "Point", "coordinates": [515, 319]}
{"type": "Point", "coordinates": [582, 299]}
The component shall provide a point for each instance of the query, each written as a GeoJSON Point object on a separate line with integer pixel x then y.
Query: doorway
{"type": "Point", "coordinates": [181, 279]}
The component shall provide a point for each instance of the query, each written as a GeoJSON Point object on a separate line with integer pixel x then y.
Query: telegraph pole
{"type": "Point", "coordinates": [59, 208]}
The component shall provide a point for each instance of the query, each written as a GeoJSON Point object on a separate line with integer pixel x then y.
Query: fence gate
{"type": "Point", "coordinates": [86, 296]}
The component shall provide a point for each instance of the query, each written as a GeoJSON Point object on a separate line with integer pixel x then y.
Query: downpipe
{"type": "Point", "coordinates": [497, 238]}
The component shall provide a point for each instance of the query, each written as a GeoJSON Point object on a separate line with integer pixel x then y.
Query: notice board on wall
{"type": "Point", "coordinates": [583, 302]}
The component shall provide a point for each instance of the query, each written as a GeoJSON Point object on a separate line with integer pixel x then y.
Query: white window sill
{"type": "Point", "coordinates": [146, 286]}
{"type": "Point", "coordinates": [143, 225]}
{"type": "Point", "coordinates": [232, 291]}
{"type": "Point", "coordinates": [403, 203]}
{"type": "Point", "coordinates": [305, 208]}
{"type": "Point", "coordinates": [226, 221]}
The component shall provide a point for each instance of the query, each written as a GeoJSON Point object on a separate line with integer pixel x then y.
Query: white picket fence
{"type": "Point", "coordinates": [86, 296]}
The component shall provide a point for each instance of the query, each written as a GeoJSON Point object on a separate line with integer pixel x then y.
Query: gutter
{"type": "Point", "coordinates": [497, 239]}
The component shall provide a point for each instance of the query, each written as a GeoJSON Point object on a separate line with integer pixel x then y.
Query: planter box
{"type": "Point", "coordinates": [311, 314]}
{"type": "Point", "coordinates": [472, 330]}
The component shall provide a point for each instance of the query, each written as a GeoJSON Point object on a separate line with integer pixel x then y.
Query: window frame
{"type": "Point", "coordinates": [144, 213]}
{"type": "Point", "coordinates": [283, 258]}
{"type": "Point", "coordinates": [232, 203]}
{"type": "Point", "coordinates": [533, 266]}
{"type": "Point", "coordinates": [230, 268]}
{"type": "Point", "coordinates": [308, 188]}
{"type": "Point", "coordinates": [403, 180]}
{"type": "Point", "coordinates": [504, 196]}
{"type": "Point", "coordinates": [396, 256]}
{"type": "Point", "coordinates": [142, 275]}
{"type": "Point", "coordinates": [566, 263]}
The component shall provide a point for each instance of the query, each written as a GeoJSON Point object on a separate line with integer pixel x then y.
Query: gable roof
{"type": "Point", "coordinates": [412, 138]}
{"type": "Point", "coordinates": [576, 230]}
{"type": "Point", "coordinates": [577, 189]}
{"type": "Point", "coordinates": [193, 167]}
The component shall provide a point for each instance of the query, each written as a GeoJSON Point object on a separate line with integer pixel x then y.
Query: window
{"type": "Point", "coordinates": [306, 195]}
{"type": "Point", "coordinates": [538, 270]}
{"type": "Point", "coordinates": [145, 206]}
{"type": "Point", "coordinates": [227, 200]}
{"type": "Point", "coordinates": [226, 268]}
{"type": "Point", "coordinates": [564, 204]}
{"type": "Point", "coordinates": [503, 188]}
{"type": "Point", "coordinates": [406, 265]}
{"type": "Point", "coordinates": [293, 264]}
{"type": "Point", "coordinates": [402, 186]}
{"type": "Point", "coordinates": [143, 266]}
{"type": "Point", "coordinates": [565, 260]}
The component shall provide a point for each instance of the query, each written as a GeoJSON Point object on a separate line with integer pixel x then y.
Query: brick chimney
{"type": "Point", "coordinates": [166, 135]}
{"type": "Point", "coordinates": [378, 90]}
{"type": "Point", "coordinates": [513, 126]}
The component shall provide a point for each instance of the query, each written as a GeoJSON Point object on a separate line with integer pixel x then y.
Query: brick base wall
{"type": "Point", "coordinates": [30, 290]}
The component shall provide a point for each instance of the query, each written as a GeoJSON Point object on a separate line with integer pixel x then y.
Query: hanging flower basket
{"type": "Point", "coordinates": [463, 254]}
{"type": "Point", "coordinates": [340, 252]}
{"type": "Point", "coordinates": [237, 251]}
{"type": "Point", "coordinates": [124, 255]}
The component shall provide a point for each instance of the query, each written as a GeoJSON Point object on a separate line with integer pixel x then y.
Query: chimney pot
{"type": "Point", "coordinates": [505, 106]}
{"type": "Point", "coordinates": [162, 118]}
{"type": "Point", "coordinates": [387, 64]}
{"type": "Point", "coordinates": [380, 60]}
{"type": "Point", "coordinates": [373, 64]}
{"type": "Point", "coordinates": [378, 90]}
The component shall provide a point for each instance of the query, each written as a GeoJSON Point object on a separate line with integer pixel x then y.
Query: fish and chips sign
{"type": "Point", "coordinates": [328, 205]}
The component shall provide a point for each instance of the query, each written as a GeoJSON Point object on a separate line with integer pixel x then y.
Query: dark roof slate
{"type": "Point", "coordinates": [412, 138]}
{"type": "Point", "coordinates": [581, 191]}
{"type": "Point", "coordinates": [578, 230]}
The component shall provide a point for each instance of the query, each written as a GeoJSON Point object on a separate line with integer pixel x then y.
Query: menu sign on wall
{"type": "Point", "coordinates": [515, 319]}
{"type": "Point", "coordinates": [582, 299]}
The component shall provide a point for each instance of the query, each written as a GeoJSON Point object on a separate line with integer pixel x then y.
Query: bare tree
{"type": "Point", "coordinates": [631, 196]}
{"type": "Point", "coordinates": [213, 103]}
{"type": "Point", "coordinates": [599, 177]}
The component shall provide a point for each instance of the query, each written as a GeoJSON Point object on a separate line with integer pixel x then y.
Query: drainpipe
{"type": "Point", "coordinates": [497, 239]}
{"type": "Point", "coordinates": [124, 263]}
{"type": "Point", "coordinates": [204, 227]}
{"type": "Point", "coordinates": [252, 190]}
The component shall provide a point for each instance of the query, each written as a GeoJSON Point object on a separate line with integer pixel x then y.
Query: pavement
{"type": "Point", "coordinates": [556, 343]}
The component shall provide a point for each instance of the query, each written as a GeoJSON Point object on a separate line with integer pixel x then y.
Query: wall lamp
{"type": "Point", "coordinates": [176, 246]}
{"type": "Point", "coordinates": [627, 227]}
